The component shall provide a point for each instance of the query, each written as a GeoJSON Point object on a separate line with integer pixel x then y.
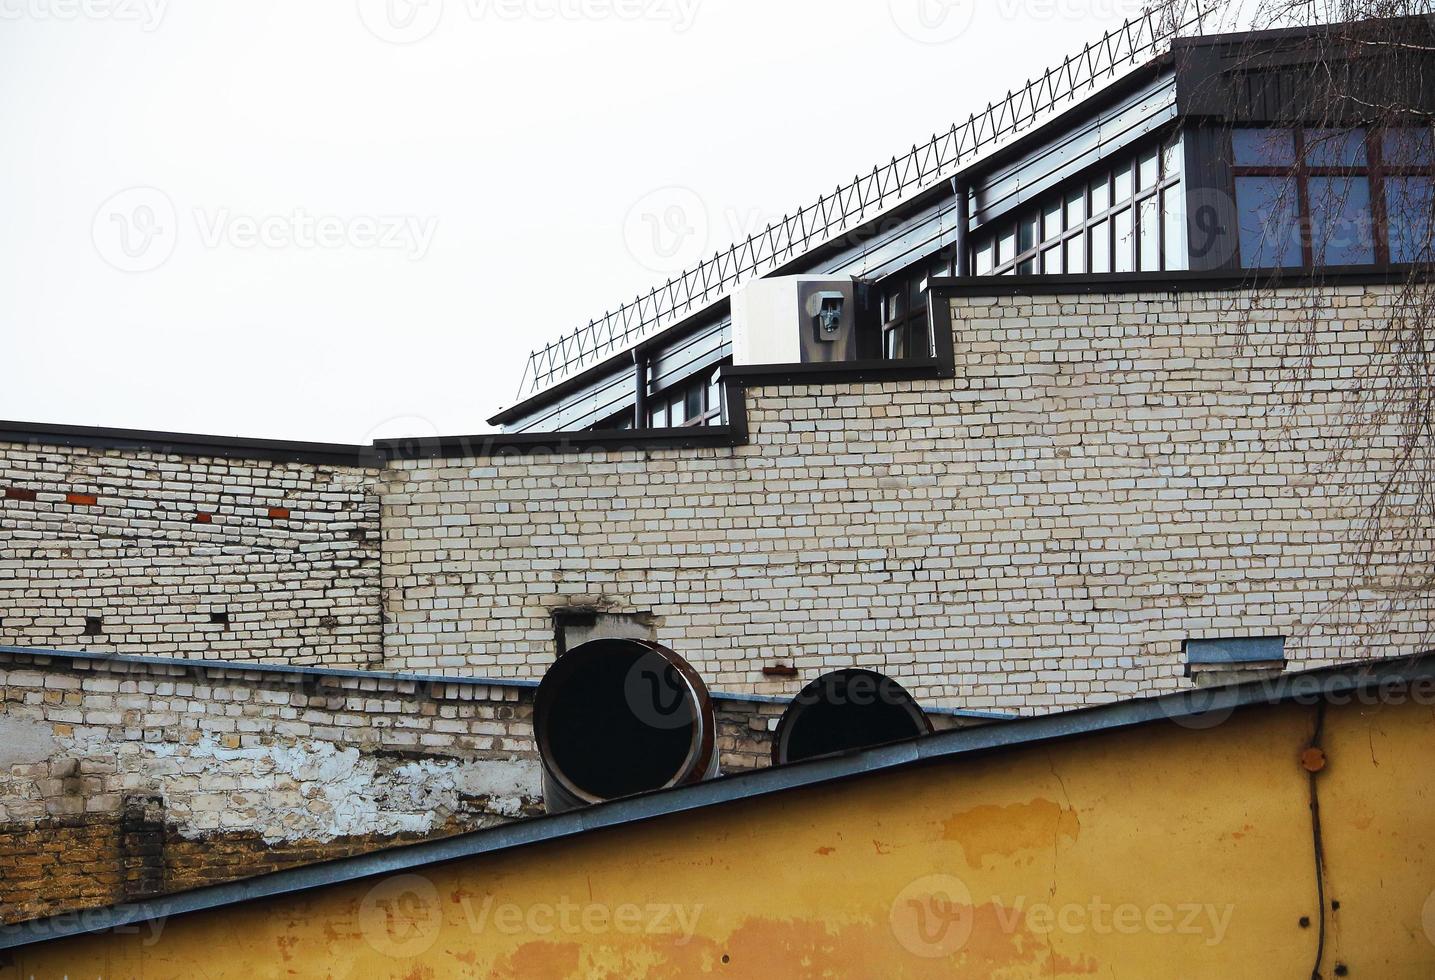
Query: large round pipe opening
{"type": "Point", "coordinates": [619, 717]}
{"type": "Point", "coordinates": [844, 711]}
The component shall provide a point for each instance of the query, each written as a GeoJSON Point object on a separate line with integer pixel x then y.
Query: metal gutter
{"type": "Point", "coordinates": [1200, 708]}
{"type": "Point", "coordinates": [430, 680]}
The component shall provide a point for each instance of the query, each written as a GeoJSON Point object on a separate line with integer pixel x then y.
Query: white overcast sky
{"type": "Point", "coordinates": [268, 218]}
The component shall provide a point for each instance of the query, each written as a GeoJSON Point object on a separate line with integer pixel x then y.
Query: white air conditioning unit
{"type": "Point", "coordinates": [800, 320]}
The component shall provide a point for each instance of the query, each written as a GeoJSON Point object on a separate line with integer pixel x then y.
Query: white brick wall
{"type": "Point", "coordinates": [116, 535]}
{"type": "Point", "coordinates": [1106, 477]}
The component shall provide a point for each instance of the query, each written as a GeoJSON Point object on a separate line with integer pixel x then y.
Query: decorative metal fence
{"type": "Point", "coordinates": [1126, 48]}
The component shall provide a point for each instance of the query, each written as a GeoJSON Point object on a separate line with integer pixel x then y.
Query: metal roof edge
{"type": "Point", "coordinates": [1197, 706]}
{"type": "Point", "coordinates": [102, 659]}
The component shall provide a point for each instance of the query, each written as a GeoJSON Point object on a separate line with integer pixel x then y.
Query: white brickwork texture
{"type": "Point", "coordinates": [1106, 477]}
{"type": "Point", "coordinates": [154, 546]}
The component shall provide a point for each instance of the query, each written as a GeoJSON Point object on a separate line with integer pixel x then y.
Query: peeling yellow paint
{"type": "Point", "coordinates": [1156, 853]}
{"type": "Point", "coordinates": [990, 832]}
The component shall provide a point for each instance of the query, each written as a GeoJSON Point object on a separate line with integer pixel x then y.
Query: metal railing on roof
{"type": "Point", "coordinates": [1127, 47]}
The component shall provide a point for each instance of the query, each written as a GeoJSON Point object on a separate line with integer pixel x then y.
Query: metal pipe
{"type": "Point", "coordinates": [844, 711]}
{"type": "Point", "coordinates": [619, 717]}
{"type": "Point", "coordinates": [963, 217]}
{"type": "Point", "coordinates": [640, 381]}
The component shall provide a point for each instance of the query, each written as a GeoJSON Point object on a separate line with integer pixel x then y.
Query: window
{"type": "Point", "coordinates": [1322, 197]}
{"type": "Point", "coordinates": [906, 330]}
{"type": "Point", "coordinates": [1123, 218]}
{"type": "Point", "coordinates": [695, 402]}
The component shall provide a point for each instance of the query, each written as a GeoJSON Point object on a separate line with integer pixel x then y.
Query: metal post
{"type": "Point", "coordinates": [963, 218]}
{"type": "Point", "coordinates": [640, 403]}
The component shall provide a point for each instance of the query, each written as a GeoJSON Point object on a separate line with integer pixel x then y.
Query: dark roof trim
{"type": "Point", "coordinates": [1304, 32]}
{"type": "Point", "coordinates": [101, 660]}
{"type": "Point", "coordinates": [941, 712]}
{"type": "Point", "coordinates": [185, 444]}
{"type": "Point", "coordinates": [562, 443]}
{"type": "Point", "coordinates": [1195, 709]}
{"type": "Point", "coordinates": [1177, 282]}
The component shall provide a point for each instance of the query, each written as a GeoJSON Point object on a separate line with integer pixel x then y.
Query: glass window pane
{"type": "Point", "coordinates": [1409, 206]}
{"type": "Point", "coordinates": [1407, 146]}
{"type": "Point", "coordinates": [658, 417]}
{"type": "Point", "coordinates": [1006, 246]}
{"type": "Point", "coordinates": [715, 396]}
{"type": "Point", "coordinates": [1335, 147]}
{"type": "Point", "coordinates": [983, 262]}
{"type": "Point", "coordinates": [1076, 255]}
{"type": "Point", "coordinates": [1101, 247]}
{"type": "Point", "coordinates": [919, 344]}
{"type": "Point", "coordinates": [1269, 233]}
{"type": "Point", "coordinates": [1122, 191]}
{"type": "Point", "coordinates": [1150, 235]}
{"type": "Point", "coordinates": [1028, 232]}
{"type": "Point", "coordinates": [1263, 147]}
{"type": "Point", "coordinates": [1051, 227]}
{"type": "Point", "coordinates": [892, 344]}
{"type": "Point", "coordinates": [1075, 207]}
{"type": "Point", "coordinates": [895, 306]}
{"type": "Point", "coordinates": [1124, 241]}
{"type": "Point", "coordinates": [1171, 159]}
{"type": "Point", "coordinates": [1100, 195]}
{"type": "Point", "coordinates": [1340, 222]}
{"type": "Point", "coordinates": [1027, 267]}
{"type": "Point", "coordinates": [1051, 261]}
{"type": "Point", "coordinates": [695, 406]}
{"type": "Point", "coordinates": [1149, 169]}
{"type": "Point", "coordinates": [1174, 220]}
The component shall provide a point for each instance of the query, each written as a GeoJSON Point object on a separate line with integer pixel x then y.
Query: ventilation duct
{"type": "Point", "coordinates": [847, 710]}
{"type": "Point", "coordinates": [619, 717]}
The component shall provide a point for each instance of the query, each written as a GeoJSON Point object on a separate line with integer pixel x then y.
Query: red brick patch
{"type": "Point", "coordinates": [204, 518]}
{"type": "Point", "coordinates": [18, 493]}
{"type": "Point", "coordinates": [82, 499]}
{"type": "Point", "coordinates": [279, 513]}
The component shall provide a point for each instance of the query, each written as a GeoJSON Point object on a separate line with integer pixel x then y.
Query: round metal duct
{"type": "Point", "coordinates": [847, 710]}
{"type": "Point", "coordinates": [618, 717]}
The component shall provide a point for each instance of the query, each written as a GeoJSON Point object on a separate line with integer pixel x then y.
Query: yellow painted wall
{"type": "Point", "coordinates": [1163, 852]}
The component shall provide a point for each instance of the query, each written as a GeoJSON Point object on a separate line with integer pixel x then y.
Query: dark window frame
{"type": "Point", "coordinates": [1375, 170]}
{"type": "Point", "coordinates": [707, 387]}
{"type": "Point", "coordinates": [1168, 151]}
{"type": "Point", "coordinates": [907, 332]}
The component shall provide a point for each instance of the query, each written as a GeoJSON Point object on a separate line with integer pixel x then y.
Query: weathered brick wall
{"type": "Point", "coordinates": [240, 771]}
{"type": "Point", "coordinates": [121, 779]}
{"type": "Point", "coordinates": [1106, 477]}
{"type": "Point", "coordinates": [136, 552]}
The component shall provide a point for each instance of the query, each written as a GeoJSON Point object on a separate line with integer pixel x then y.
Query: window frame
{"type": "Point", "coordinates": [1375, 170]}
{"type": "Point", "coordinates": [900, 332]}
{"type": "Point", "coordinates": [1167, 149]}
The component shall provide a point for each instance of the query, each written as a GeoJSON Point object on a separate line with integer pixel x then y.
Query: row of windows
{"type": "Point", "coordinates": [696, 402]}
{"type": "Point", "coordinates": [1129, 218]}
{"type": "Point", "coordinates": [1311, 197]}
